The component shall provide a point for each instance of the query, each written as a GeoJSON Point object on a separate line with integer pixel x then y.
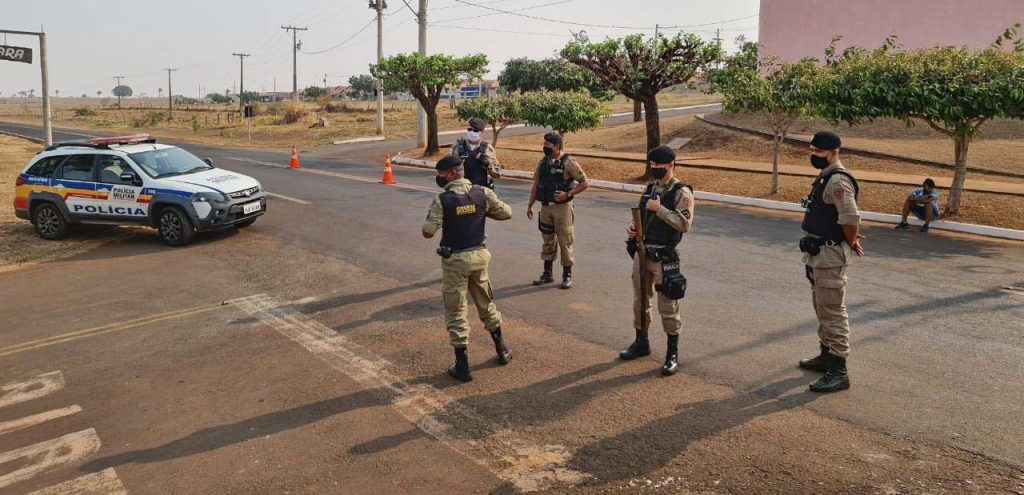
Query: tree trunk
{"type": "Point", "coordinates": [432, 146]}
{"type": "Point", "coordinates": [637, 115]}
{"type": "Point", "coordinates": [653, 124]}
{"type": "Point", "coordinates": [776, 146]}
{"type": "Point", "coordinates": [495, 131]}
{"type": "Point", "coordinates": [962, 142]}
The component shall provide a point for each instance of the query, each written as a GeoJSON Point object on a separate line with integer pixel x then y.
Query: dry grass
{"type": "Point", "coordinates": [667, 99]}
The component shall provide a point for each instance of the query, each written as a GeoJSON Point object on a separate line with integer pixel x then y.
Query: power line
{"type": "Point", "coordinates": [584, 24]}
{"type": "Point", "coordinates": [502, 31]}
{"type": "Point", "coordinates": [713, 23]}
{"type": "Point", "coordinates": [498, 13]}
{"type": "Point", "coordinates": [346, 40]}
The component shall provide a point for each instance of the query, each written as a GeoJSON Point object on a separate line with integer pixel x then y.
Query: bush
{"type": "Point", "coordinates": [276, 109]}
{"type": "Point", "coordinates": [333, 107]}
{"type": "Point", "coordinates": [293, 114]}
{"type": "Point", "coordinates": [149, 119]}
{"type": "Point", "coordinates": [84, 112]}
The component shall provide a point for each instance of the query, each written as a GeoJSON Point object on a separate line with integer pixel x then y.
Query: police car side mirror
{"type": "Point", "coordinates": [209, 161]}
{"type": "Point", "coordinates": [131, 178]}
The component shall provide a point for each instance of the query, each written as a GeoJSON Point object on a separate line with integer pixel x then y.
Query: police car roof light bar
{"type": "Point", "coordinates": [129, 139]}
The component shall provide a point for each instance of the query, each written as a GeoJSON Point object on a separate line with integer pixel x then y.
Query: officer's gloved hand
{"type": "Point", "coordinates": [631, 247]}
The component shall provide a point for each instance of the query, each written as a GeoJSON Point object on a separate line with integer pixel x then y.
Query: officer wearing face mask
{"type": "Point", "coordinates": [478, 156]}
{"type": "Point", "coordinates": [460, 213]}
{"type": "Point", "coordinates": [556, 181]}
{"type": "Point", "coordinates": [831, 223]}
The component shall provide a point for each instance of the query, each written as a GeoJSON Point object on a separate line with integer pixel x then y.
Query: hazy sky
{"type": "Point", "coordinates": [91, 41]}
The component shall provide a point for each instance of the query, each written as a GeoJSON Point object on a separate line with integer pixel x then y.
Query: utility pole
{"type": "Point", "coordinates": [379, 6]}
{"type": "Point", "coordinates": [241, 80]}
{"type": "Point", "coordinates": [45, 73]}
{"type": "Point", "coordinates": [718, 41]}
{"type": "Point", "coordinates": [170, 95]}
{"type": "Point", "coordinates": [275, 90]}
{"type": "Point", "coordinates": [421, 116]}
{"type": "Point", "coordinates": [325, 85]}
{"type": "Point", "coordinates": [295, 63]}
{"type": "Point", "coordinates": [118, 84]}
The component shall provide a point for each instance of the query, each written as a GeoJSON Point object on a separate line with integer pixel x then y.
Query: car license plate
{"type": "Point", "coordinates": [251, 208]}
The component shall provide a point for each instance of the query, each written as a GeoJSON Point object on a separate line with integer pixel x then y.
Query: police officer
{"type": "Point", "coordinates": [478, 156]}
{"type": "Point", "coordinates": [460, 212]}
{"type": "Point", "coordinates": [831, 224]}
{"type": "Point", "coordinates": [666, 208]}
{"type": "Point", "coordinates": [557, 180]}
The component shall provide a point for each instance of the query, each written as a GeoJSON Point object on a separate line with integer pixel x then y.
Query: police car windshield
{"type": "Point", "coordinates": [168, 162]}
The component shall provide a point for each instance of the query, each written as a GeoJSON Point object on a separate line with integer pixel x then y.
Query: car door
{"type": "Point", "coordinates": [76, 184]}
{"type": "Point", "coordinates": [117, 197]}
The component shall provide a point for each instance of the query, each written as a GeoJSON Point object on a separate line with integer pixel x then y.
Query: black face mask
{"type": "Point", "coordinates": [549, 151]}
{"type": "Point", "coordinates": [659, 173]}
{"type": "Point", "coordinates": [441, 181]}
{"type": "Point", "coordinates": [819, 162]}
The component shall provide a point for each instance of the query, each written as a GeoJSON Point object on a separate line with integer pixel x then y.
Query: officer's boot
{"type": "Point", "coordinates": [545, 278]}
{"type": "Point", "coordinates": [817, 363]}
{"type": "Point", "coordinates": [639, 348]}
{"type": "Point", "coordinates": [671, 356]}
{"type": "Point", "coordinates": [835, 378]}
{"type": "Point", "coordinates": [499, 346]}
{"type": "Point", "coordinates": [566, 277]}
{"type": "Point", "coordinates": [460, 369]}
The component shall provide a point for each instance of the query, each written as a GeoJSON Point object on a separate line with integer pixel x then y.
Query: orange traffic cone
{"type": "Point", "coordinates": [294, 163]}
{"type": "Point", "coordinates": [388, 178]}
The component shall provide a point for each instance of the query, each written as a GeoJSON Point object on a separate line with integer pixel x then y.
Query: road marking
{"type": "Point", "coordinates": [45, 384]}
{"type": "Point", "coordinates": [330, 173]}
{"type": "Point", "coordinates": [43, 456]}
{"type": "Point", "coordinates": [113, 327]}
{"type": "Point", "coordinates": [288, 198]}
{"type": "Point", "coordinates": [104, 482]}
{"type": "Point", "coordinates": [512, 458]}
{"type": "Point", "coordinates": [55, 130]}
{"type": "Point", "coordinates": [36, 419]}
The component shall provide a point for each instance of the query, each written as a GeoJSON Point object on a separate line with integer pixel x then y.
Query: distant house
{"type": "Point", "coordinates": [270, 96]}
{"type": "Point", "coordinates": [476, 89]}
{"type": "Point", "coordinates": [337, 91]}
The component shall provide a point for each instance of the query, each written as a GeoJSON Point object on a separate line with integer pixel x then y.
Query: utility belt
{"type": "Point", "coordinates": [668, 255]}
{"type": "Point", "coordinates": [545, 203]}
{"type": "Point", "coordinates": [673, 282]}
{"type": "Point", "coordinates": [447, 252]}
{"type": "Point", "coordinates": [812, 245]}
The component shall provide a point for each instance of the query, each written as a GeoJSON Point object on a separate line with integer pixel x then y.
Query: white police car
{"type": "Point", "coordinates": [132, 180]}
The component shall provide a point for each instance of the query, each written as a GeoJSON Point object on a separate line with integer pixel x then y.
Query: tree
{"type": "Point", "coordinates": [159, 92]}
{"type": "Point", "coordinates": [779, 92]}
{"type": "Point", "coordinates": [99, 93]}
{"type": "Point", "coordinates": [250, 96]}
{"type": "Point", "coordinates": [523, 74]}
{"type": "Point", "coordinates": [497, 112]}
{"type": "Point", "coordinates": [56, 93]}
{"type": "Point", "coordinates": [640, 68]}
{"type": "Point", "coordinates": [218, 98]}
{"type": "Point", "coordinates": [362, 86]}
{"type": "Point", "coordinates": [121, 91]}
{"type": "Point", "coordinates": [563, 112]}
{"type": "Point", "coordinates": [426, 77]}
{"type": "Point", "coordinates": [954, 90]}
{"type": "Point", "coordinates": [313, 92]}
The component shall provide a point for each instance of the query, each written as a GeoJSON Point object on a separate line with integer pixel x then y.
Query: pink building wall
{"type": "Point", "coordinates": [791, 29]}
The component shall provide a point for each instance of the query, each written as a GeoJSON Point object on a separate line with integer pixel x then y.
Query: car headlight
{"type": "Point", "coordinates": [209, 197]}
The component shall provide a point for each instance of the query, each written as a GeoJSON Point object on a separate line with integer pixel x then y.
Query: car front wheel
{"type": "Point", "coordinates": [175, 227]}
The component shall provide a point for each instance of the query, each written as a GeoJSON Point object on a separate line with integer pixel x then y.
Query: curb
{"type": "Point", "coordinates": [660, 110]}
{"type": "Point", "coordinates": [966, 228]}
{"type": "Point", "coordinates": [361, 140]}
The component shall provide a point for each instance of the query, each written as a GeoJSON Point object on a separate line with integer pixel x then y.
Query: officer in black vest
{"type": "Point", "coordinates": [831, 223]}
{"type": "Point", "coordinates": [666, 214]}
{"type": "Point", "coordinates": [478, 156]}
{"type": "Point", "coordinates": [460, 212]}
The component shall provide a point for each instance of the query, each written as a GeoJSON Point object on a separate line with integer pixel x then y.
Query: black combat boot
{"type": "Point", "coordinates": [566, 277]}
{"type": "Point", "coordinates": [545, 278]}
{"type": "Point", "coordinates": [460, 369]}
{"type": "Point", "coordinates": [835, 378]}
{"type": "Point", "coordinates": [639, 348]}
{"type": "Point", "coordinates": [817, 363]}
{"type": "Point", "coordinates": [499, 346]}
{"type": "Point", "coordinates": [671, 356]}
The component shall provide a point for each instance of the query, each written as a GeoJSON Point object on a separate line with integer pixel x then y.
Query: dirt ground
{"type": "Point", "coordinates": [666, 99]}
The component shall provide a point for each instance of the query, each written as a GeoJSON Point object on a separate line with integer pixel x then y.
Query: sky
{"type": "Point", "coordinates": [90, 41]}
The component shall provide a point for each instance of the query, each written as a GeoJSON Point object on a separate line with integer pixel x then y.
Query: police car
{"type": "Point", "coordinates": [132, 180]}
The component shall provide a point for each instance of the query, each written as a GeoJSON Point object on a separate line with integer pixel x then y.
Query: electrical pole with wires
{"type": "Point", "coordinates": [241, 80]}
{"type": "Point", "coordinates": [379, 6]}
{"type": "Point", "coordinates": [295, 63]}
{"type": "Point", "coordinates": [118, 95]}
{"type": "Point", "coordinates": [421, 116]}
{"type": "Point", "coordinates": [170, 95]}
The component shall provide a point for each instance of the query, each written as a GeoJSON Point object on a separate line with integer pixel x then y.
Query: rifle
{"type": "Point", "coordinates": [641, 251]}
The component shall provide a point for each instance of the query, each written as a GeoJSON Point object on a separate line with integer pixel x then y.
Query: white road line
{"type": "Point", "coordinates": [45, 384]}
{"type": "Point", "coordinates": [104, 482]}
{"type": "Point", "coordinates": [288, 198]}
{"type": "Point", "coordinates": [36, 419]}
{"type": "Point", "coordinates": [43, 456]}
{"type": "Point", "coordinates": [529, 467]}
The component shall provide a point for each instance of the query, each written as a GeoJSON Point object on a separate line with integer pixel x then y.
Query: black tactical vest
{"type": "Point", "coordinates": [464, 216]}
{"type": "Point", "coordinates": [656, 231]}
{"type": "Point", "coordinates": [474, 163]}
{"type": "Point", "coordinates": [822, 219]}
{"type": "Point", "coordinates": [551, 178]}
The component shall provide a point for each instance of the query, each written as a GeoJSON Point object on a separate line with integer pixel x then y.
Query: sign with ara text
{"type": "Point", "coordinates": [16, 54]}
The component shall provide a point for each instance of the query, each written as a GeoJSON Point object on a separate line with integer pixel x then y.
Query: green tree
{"type": "Point", "coordinates": [563, 112]}
{"type": "Point", "coordinates": [362, 86]}
{"type": "Point", "coordinates": [313, 92]}
{"type": "Point", "coordinates": [250, 96]}
{"type": "Point", "coordinates": [640, 68]}
{"type": "Point", "coordinates": [954, 90]}
{"type": "Point", "coordinates": [425, 77]}
{"type": "Point", "coordinates": [497, 112]}
{"type": "Point", "coordinates": [523, 74]}
{"type": "Point", "coordinates": [779, 92]}
{"type": "Point", "coordinates": [218, 98]}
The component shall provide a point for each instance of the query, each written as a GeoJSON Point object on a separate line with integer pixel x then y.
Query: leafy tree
{"type": "Point", "coordinates": [640, 68]}
{"type": "Point", "coordinates": [250, 96]}
{"type": "Point", "coordinates": [425, 77]}
{"type": "Point", "coordinates": [218, 98]}
{"type": "Point", "coordinates": [313, 92]}
{"type": "Point", "coordinates": [497, 112]}
{"type": "Point", "coordinates": [362, 86]}
{"type": "Point", "coordinates": [779, 92]}
{"type": "Point", "coordinates": [954, 90]}
{"type": "Point", "coordinates": [563, 112]}
{"type": "Point", "coordinates": [523, 74]}
{"type": "Point", "coordinates": [99, 93]}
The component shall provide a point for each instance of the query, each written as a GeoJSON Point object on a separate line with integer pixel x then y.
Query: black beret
{"type": "Point", "coordinates": [661, 154]}
{"type": "Point", "coordinates": [553, 138]}
{"type": "Point", "coordinates": [477, 123]}
{"type": "Point", "coordinates": [448, 162]}
{"type": "Point", "coordinates": [826, 140]}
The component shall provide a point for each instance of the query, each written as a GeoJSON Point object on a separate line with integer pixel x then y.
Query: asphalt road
{"type": "Point", "coordinates": [937, 348]}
